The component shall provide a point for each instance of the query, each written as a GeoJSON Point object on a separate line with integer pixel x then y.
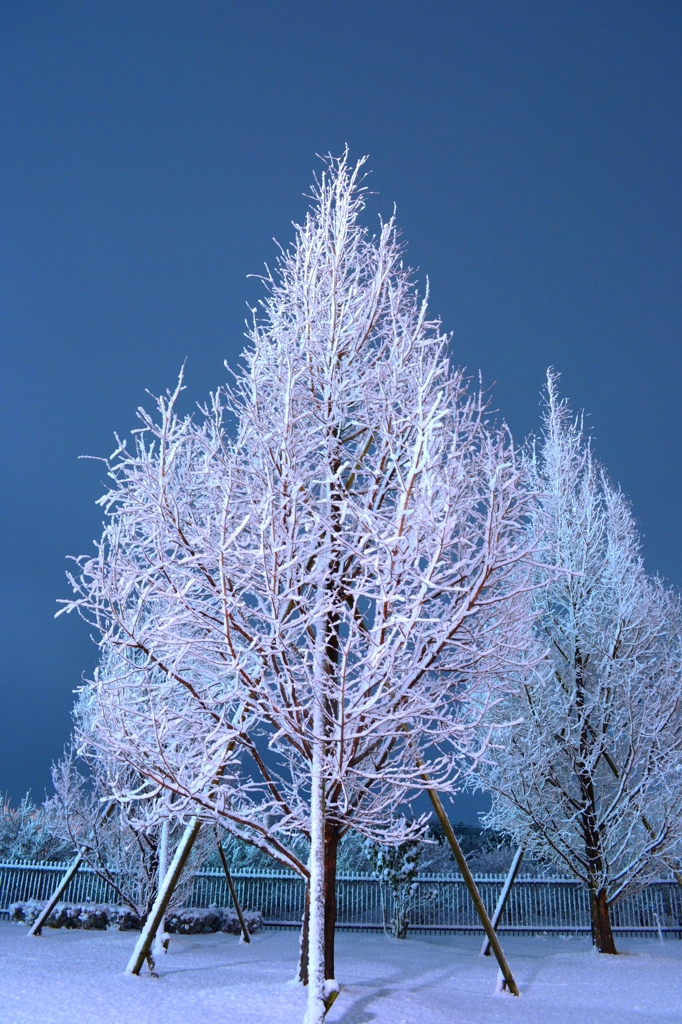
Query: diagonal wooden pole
{"type": "Point", "coordinates": [504, 896]}
{"type": "Point", "coordinates": [54, 899]}
{"type": "Point", "coordinates": [143, 945]}
{"type": "Point", "coordinates": [37, 925]}
{"type": "Point", "coordinates": [507, 975]}
{"type": "Point", "coordinates": [233, 892]}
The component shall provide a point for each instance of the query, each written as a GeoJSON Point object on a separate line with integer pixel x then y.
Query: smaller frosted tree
{"type": "Point", "coordinates": [24, 834]}
{"type": "Point", "coordinates": [590, 776]}
{"type": "Point", "coordinates": [123, 847]}
{"type": "Point", "coordinates": [396, 868]}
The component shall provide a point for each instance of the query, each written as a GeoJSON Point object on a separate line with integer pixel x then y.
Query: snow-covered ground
{"type": "Point", "coordinates": [76, 977]}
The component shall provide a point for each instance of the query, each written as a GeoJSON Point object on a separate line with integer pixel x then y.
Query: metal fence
{"type": "Point", "coordinates": [441, 903]}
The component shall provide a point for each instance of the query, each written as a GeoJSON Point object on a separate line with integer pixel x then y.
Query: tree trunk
{"type": "Point", "coordinates": [316, 988]}
{"type": "Point", "coordinates": [304, 941]}
{"type": "Point", "coordinates": [331, 846]}
{"type": "Point", "coordinates": [602, 935]}
{"type": "Point", "coordinates": [160, 944]}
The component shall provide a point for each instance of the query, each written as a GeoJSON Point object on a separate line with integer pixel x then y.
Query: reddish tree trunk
{"type": "Point", "coordinates": [331, 847]}
{"type": "Point", "coordinates": [602, 934]}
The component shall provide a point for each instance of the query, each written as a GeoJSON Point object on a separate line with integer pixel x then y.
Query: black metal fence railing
{"type": "Point", "coordinates": [441, 902]}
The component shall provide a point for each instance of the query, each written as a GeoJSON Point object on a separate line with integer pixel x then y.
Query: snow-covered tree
{"type": "Point", "coordinates": [591, 775]}
{"type": "Point", "coordinates": [396, 869]}
{"type": "Point", "coordinates": [25, 835]}
{"type": "Point", "coordinates": [311, 616]}
{"type": "Point", "coordinates": [122, 847]}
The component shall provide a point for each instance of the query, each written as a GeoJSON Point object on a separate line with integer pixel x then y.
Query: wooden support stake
{"type": "Point", "coordinates": [504, 896]}
{"type": "Point", "coordinates": [233, 893]}
{"type": "Point", "coordinates": [143, 946]}
{"type": "Point", "coordinates": [54, 899]}
{"type": "Point", "coordinates": [37, 926]}
{"type": "Point", "coordinates": [509, 982]}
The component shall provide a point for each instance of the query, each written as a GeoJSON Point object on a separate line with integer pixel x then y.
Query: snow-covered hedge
{"type": "Point", "coordinates": [196, 921]}
{"type": "Point", "coordinates": [99, 916]}
{"type": "Point", "coordinates": [92, 916]}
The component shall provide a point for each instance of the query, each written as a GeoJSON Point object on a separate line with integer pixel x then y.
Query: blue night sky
{"type": "Point", "coordinates": [149, 152]}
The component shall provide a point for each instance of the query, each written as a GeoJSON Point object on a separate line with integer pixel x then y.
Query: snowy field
{"type": "Point", "coordinates": [75, 977]}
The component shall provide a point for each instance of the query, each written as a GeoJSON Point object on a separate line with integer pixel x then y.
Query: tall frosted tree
{"type": "Point", "coordinates": [591, 775]}
{"type": "Point", "coordinates": [313, 615]}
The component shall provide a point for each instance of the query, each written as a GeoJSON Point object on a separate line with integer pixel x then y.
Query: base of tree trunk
{"type": "Point", "coordinates": [305, 930]}
{"type": "Point", "coordinates": [602, 934]}
{"type": "Point", "coordinates": [331, 995]}
{"type": "Point", "coordinates": [331, 846]}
